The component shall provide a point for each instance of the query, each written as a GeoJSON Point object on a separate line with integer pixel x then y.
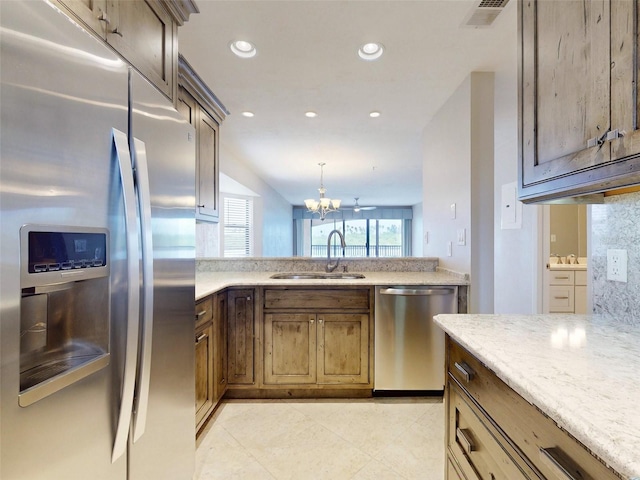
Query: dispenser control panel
{"type": "Point", "coordinates": [62, 253]}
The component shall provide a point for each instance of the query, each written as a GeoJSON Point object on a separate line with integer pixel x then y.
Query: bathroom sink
{"type": "Point", "coordinates": [316, 276]}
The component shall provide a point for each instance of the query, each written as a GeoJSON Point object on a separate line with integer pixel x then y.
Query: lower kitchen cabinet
{"type": "Point", "coordinates": [240, 355]}
{"type": "Point", "coordinates": [204, 354]}
{"type": "Point", "coordinates": [493, 433]}
{"type": "Point", "coordinates": [310, 348]}
{"type": "Point", "coordinates": [317, 338]}
{"type": "Point", "coordinates": [210, 355]}
{"type": "Point", "coordinates": [220, 347]}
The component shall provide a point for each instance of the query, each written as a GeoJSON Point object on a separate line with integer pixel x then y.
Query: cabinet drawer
{"type": "Point", "coordinates": [537, 436]}
{"type": "Point", "coordinates": [204, 311]}
{"type": "Point", "coordinates": [561, 299]}
{"type": "Point", "coordinates": [326, 298]}
{"type": "Point", "coordinates": [479, 454]}
{"type": "Point", "coordinates": [561, 278]}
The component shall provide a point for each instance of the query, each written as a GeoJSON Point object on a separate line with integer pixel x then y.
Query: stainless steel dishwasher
{"type": "Point", "coordinates": [409, 347]}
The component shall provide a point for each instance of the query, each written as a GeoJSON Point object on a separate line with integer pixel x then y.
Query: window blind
{"type": "Point", "coordinates": [238, 226]}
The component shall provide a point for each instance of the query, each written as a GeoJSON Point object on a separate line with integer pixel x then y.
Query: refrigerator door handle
{"type": "Point", "coordinates": [141, 174]}
{"type": "Point", "coordinates": [133, 293]}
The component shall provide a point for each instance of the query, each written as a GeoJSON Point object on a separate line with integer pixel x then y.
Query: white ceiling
{"type": "Point", "coordinates": [307, 60]}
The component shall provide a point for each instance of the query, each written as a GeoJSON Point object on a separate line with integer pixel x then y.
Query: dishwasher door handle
{"type": "Point", "coordinates": [417, 291]}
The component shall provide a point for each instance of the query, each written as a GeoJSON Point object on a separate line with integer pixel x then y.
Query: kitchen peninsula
{"type": "Point", "coordinates": [578, 370]}
{"type": "Point", "coordinates": [264, 337]}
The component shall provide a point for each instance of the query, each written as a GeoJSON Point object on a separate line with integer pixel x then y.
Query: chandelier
{"type": "Point", "coordinates": [324, 205]}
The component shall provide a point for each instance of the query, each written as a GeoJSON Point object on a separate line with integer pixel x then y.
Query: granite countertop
{"type": "Point", "coordinates": [211, 282]}
{"type": "Point", "coordinates": [580, 370]}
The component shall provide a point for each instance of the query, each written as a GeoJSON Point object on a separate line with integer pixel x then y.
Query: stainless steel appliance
{"type": "Point", "coordinates": [409, 347]}
{"type": "Point", "coordinates": [97, 248]}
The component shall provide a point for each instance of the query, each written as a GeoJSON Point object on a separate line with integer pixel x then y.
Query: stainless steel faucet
{"type": "Point", "coordinates": [329, 267]}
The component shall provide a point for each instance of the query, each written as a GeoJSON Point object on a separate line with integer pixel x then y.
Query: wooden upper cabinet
{"type": "Point", "coordinates": [207, 193]}
{"type": "Point", "coordinates": [144, 32]}
{"type": "Point", "coordinates": [93, 13]}
{"type": "Point", "coordinates": [578, 62]}
{"type": "Point", "coordinates": [205, 112]}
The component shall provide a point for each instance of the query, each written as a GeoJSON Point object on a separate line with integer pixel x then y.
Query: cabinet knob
{"type": "Point", "coordinates": [466, 371]}
{"type": "Point", "coordinates": [551, 458]}
{"type": "Point", "coordinates": [613, 134]}
{"type": "Point", "coordinates": [464, 441]}
{"type": "Point", "coordinates": [103, 18]}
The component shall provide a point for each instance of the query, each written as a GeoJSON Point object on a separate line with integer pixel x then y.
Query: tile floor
{"type": "Point", "coordinates": [390, 438]}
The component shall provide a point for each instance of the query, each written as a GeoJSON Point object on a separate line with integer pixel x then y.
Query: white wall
{"type": "Point", "coordinates": [458, 169]}
{"type": "Point", "coordinates": [273, 226]}
{"type": "Point", "coordinates": [416, 231]}
{"type": "Point", "coordinates": [517, 260]}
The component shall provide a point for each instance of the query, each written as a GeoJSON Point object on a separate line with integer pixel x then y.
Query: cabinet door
{"type": "Point", "coordinates": [565, 91]}
{"type": "Point", "coordinates": [187, 107]}
{"type": "Point", "coordinates": [207, 171]}
{"type": "Point", "coordinates": [146, 35]}
{"type": "Point", "coordinates": [290, 348]}
{"type": "Point", "coordinates": [240, 344]}
{"type": "Point", "coordinates": [220, 348]}
{"type": "Point", "coordinates": [204, 369]}
{"type": "Point", "coordinates": [93, 13]}
{"type": "Point", "coordinates": [625, 106]}
{"type": "Point", "coordinates": [343, 348]}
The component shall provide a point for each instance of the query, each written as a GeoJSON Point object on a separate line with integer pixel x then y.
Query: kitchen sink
{"type": "Point", "coordinates": [316, 276]}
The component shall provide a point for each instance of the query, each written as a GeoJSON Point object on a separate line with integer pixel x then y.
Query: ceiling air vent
{"type": "Point", "coordinates": [484, 13]}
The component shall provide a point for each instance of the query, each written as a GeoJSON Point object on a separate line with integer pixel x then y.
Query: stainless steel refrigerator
{"type": "Point", "coordinates": [97, 247]}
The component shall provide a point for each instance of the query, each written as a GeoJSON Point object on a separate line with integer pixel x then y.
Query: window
{"type": "Point", "coordinates": [238, 224]}
{"type": "Point", "coordinates": [364, 238]}
{"type": "Point", "coordinates": [383, 232]}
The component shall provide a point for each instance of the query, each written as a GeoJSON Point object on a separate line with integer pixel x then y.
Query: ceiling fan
{"type": "Point", "coordinates": [357, 207]}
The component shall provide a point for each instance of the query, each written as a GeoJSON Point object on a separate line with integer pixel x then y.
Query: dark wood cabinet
{"type": "Point", "coordinates": [205, 112]}
{"type": "Point", "coordinates": [144, 32]}
{"type": "Point", "coordinates": [492, 432]}
{"type": "Point", "coordinates": [578, 63]}
{"type": "Point", "coordinates": [204, 355]}
{"type": "Point", "coordinates": [240, 354]}
{"type": "Point", "coordinates": [220, 347]}
{"type": "Point", "coordinates": [318, 337]}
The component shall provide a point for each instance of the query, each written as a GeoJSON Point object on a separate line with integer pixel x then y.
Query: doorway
{"type": "Point", "coordinates": [565, 237]}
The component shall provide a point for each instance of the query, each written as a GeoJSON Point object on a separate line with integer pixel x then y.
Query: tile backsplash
{"type": "Point", "coordinates": [616, 224]}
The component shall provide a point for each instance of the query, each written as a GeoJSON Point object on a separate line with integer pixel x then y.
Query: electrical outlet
{"type": "Point", "coordinates": [617, 265]}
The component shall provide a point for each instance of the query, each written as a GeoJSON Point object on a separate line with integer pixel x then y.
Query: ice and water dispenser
{"type": "Point", "coordinates": [64, 309]}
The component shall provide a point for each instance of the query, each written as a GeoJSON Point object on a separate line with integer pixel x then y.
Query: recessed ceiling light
{"type": "Point", "coordinates": [370, 51]}
{"type": "Point", "coordinates": [243, 49]}
{"type": "Point", "coordinates": [310, 114]}
{"type": "Point", "coordinates": [247, 114]}
{"type": "Point", "coordinates": [374, 114]}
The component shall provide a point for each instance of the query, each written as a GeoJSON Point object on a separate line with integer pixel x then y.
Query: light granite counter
{"type": "Point", "coordinates": [208, 282]}
{"type": "Point", "coordinates": [582, 371]}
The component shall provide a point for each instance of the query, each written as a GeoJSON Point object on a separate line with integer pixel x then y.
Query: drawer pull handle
{"type": "Point", "coordinates": [561, 298]}
{"type": "Point", "coordinates": [201, 314]}
{"type": "Point", "coordinates": [548, 456]}
{"type": "Point", "coordinates": [466, 371]}
{"type": "Point", "coordinates": [201, 337]}
{"type": "Point", "coordinates": [465, 441]}
{"type": "Point", "coordinates": [561, 278]}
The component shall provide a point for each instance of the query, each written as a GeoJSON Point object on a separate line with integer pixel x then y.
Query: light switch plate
{"type": "Point", "coordinates": [617, 265]}
{"type": "Point", "coordinates": [449, 249]}
{"type": "Point", "coordinates": [453, 211]}
{"type": "Point", "coordinates": [462, 236]}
